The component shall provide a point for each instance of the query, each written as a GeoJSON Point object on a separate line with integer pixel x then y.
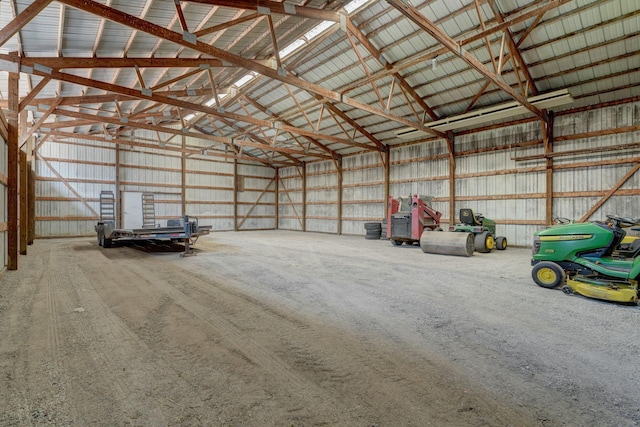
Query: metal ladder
{"type": "Point", "coordinates": [107, 206]}
{"type": "Point", "coordinates": [148, 211]}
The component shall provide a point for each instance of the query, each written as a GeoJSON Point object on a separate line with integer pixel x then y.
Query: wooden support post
{"type": "Point", "coordinates": [31, 206]}
{"type": "Point", "coordinates": [277, 207]}
{"type": "Point", "coordinates": [387, 180]}
{"type": "Point", "coordinates": [12, 172]}
{"type": "Point", "coordinates": [339, 166]}
{"type": "Point", "coordinates": [452, 179]}
{"type": "Point", "coordinates": [304, 196]}
{"type": "Point", "coordinates": [183, 179]}
{"type": "Point", "coordinates": [547, 138]}
{"type": "Point", "coordinates": [24, 195]}
{"type": "Point", "coordinates": [118, 211]}
{"type": "Point", "coordinates": [235, 194]}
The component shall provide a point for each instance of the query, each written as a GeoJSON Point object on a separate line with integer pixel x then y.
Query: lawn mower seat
{"type": "Point", "coordinates": [631, 250]}
{"type": "Point", "coordinates": [469, 218]}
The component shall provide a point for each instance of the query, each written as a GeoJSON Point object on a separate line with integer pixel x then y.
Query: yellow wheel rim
{"type": "Point", "coordinates": [490, 242]}
{"type": "Point", "coordinates": [547, 276]}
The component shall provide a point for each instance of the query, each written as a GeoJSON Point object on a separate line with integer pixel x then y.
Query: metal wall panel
{"type": "Point", "coordinates": [362, 192]}
{"type": "Point", "coordinates": [492, 176]}
{"type": "Point", "coordinates": [256, 197]}
{"type": "Point", "coordinates": [421, 169]}
{"type": "Point", "coordinates": [147, 171]}
{"type": "Point", "coordinates": [322, 197]}
{"type": "Point", "coordinates": [290, 199]}
{"type": "Point", "coordinates": [69, 178]}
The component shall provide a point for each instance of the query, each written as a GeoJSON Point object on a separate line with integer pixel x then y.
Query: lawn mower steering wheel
{"type": "Point", "coordinates": [621, 221]}
{"type": "Point", "coordinates": [561, 220]}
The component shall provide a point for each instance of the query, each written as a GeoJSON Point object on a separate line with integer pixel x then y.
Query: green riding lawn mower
{"type": "Point", "coordinates": [483, 230]}
{"type": "Point", "coordinates": [592, 259]}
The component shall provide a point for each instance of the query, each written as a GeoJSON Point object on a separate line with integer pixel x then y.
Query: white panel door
{"type": "Point", "coordinates": [131, 209]}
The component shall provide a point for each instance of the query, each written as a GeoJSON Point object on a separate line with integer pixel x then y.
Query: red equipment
{"type": "Point", "coordinates": [408, 217]}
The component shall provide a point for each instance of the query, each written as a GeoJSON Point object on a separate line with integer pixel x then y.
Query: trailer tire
{"type": "Point", "coordinates": [548, 274]}
{"type": "Point", "coordinates": [396, 242]}
{"type": "Point", "coordinates": [501, 243]}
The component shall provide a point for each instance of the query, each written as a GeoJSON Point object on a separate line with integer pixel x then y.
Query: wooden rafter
{"type": "Point", "coordinates": [423, 57]}
{"type": "Point", "coordinates": [226, 25]}
{"type": "Point", "coordinates": [274, 7]}
{"type": "Point", "coordinates": [34, 92]}
{"type": "Point", "coordinates": [378, 55]}
{"type": "Point", "coordinates": [22, 19]}
{"type": "Point", "coordinates": [275, 116]}
{"type": "Point", "coordinates": [117, 16]}
{"type": "Point", "coordinates": [419, 19]}
{"type": "Point", "coordinates": [58, 75]}
{"type": "Point", "coordinates": [116, 62]}
{"type": "Point", "coordinates": [183, 21]}
{"type": "Point", "coordinates": [139, 125]}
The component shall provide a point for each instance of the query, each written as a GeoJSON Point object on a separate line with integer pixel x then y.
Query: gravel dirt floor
{"type": "Point", "coordinates": [278, 328]}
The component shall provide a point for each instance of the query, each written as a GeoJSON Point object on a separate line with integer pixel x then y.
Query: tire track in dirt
{"type": "Point", "coordinates": [370, 365]}
{"type": "Point", "coordinates": [146, 387]}
{"type": "Point", "coordinates": [165, 279]}
{"type": "Point", "coordinates": [367, 360]}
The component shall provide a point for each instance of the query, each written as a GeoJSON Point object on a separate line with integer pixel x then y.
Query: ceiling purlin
{"type": "Point", "coordinates": [276, 117]}
{"type": "Point", "coordinates": [265, 139]}
{"type": "Point", "coordinates": [162, 129]}
{"type": "Point", "coordinates": [164, 33]}
{"type": "Point", "coordinates": [420, 20]}
{"type": "Point", "coordinates": [365, 68]}
{"type": "Point", "coordinates": [82, 81]}
{"type": "Point", "coordinates": [424, 57]}
{"type": "Point", "coordinates": [225, 25]}
{"type": "Point", "coordinates": [130, 40]}
{"type": "Point", "coordinates": [274, 7]}
{"type": "Point", "coordinates": [157, 82]}
{"type": "Point", "coordinates": [22, 19]}
{"type": "Point", "coordinates": [117, 62]}
{"type": "Point", "coordinates": [519, 63]}
{"type": "Point", "coordinates": [362, 130]}
{"type": "Point", "coordinates": [487, 43]}
{"type": "Point", "coordinates": [364, 40]}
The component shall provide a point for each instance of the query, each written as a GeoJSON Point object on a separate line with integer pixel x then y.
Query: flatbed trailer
{"type": "Point", "coordinates": [186, 229]}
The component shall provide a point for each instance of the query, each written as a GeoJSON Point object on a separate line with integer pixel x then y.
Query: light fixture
{"type": "Point", "coordinates": [434, 62]}
{"type": "Point", "coordinates": [484, 115]}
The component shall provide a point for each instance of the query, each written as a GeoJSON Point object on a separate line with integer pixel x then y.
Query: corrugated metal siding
{"type": "Point", "coordinates": [62, 169]}
{"type": "Point", "coordinates": [209, 191]}
{"type": "Point", "coordinates": [322, 197]}
{"type": "Point", "coordinates": [421, 169]}
{"type": "Point", "coordinates": [256, 197]}
{"type": "Point", "coordinates": [581, 181]}
{"type": "Point", "coordinates": [154, 172]}
{"type": "Point", "coordinates": [290, 199]}
{"type": "Point", "coordinates": [492, 178]}
{"type": "Point", "coordinates": [492, 183]}
{"type": "Point", "coordinates": [362, 192]}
